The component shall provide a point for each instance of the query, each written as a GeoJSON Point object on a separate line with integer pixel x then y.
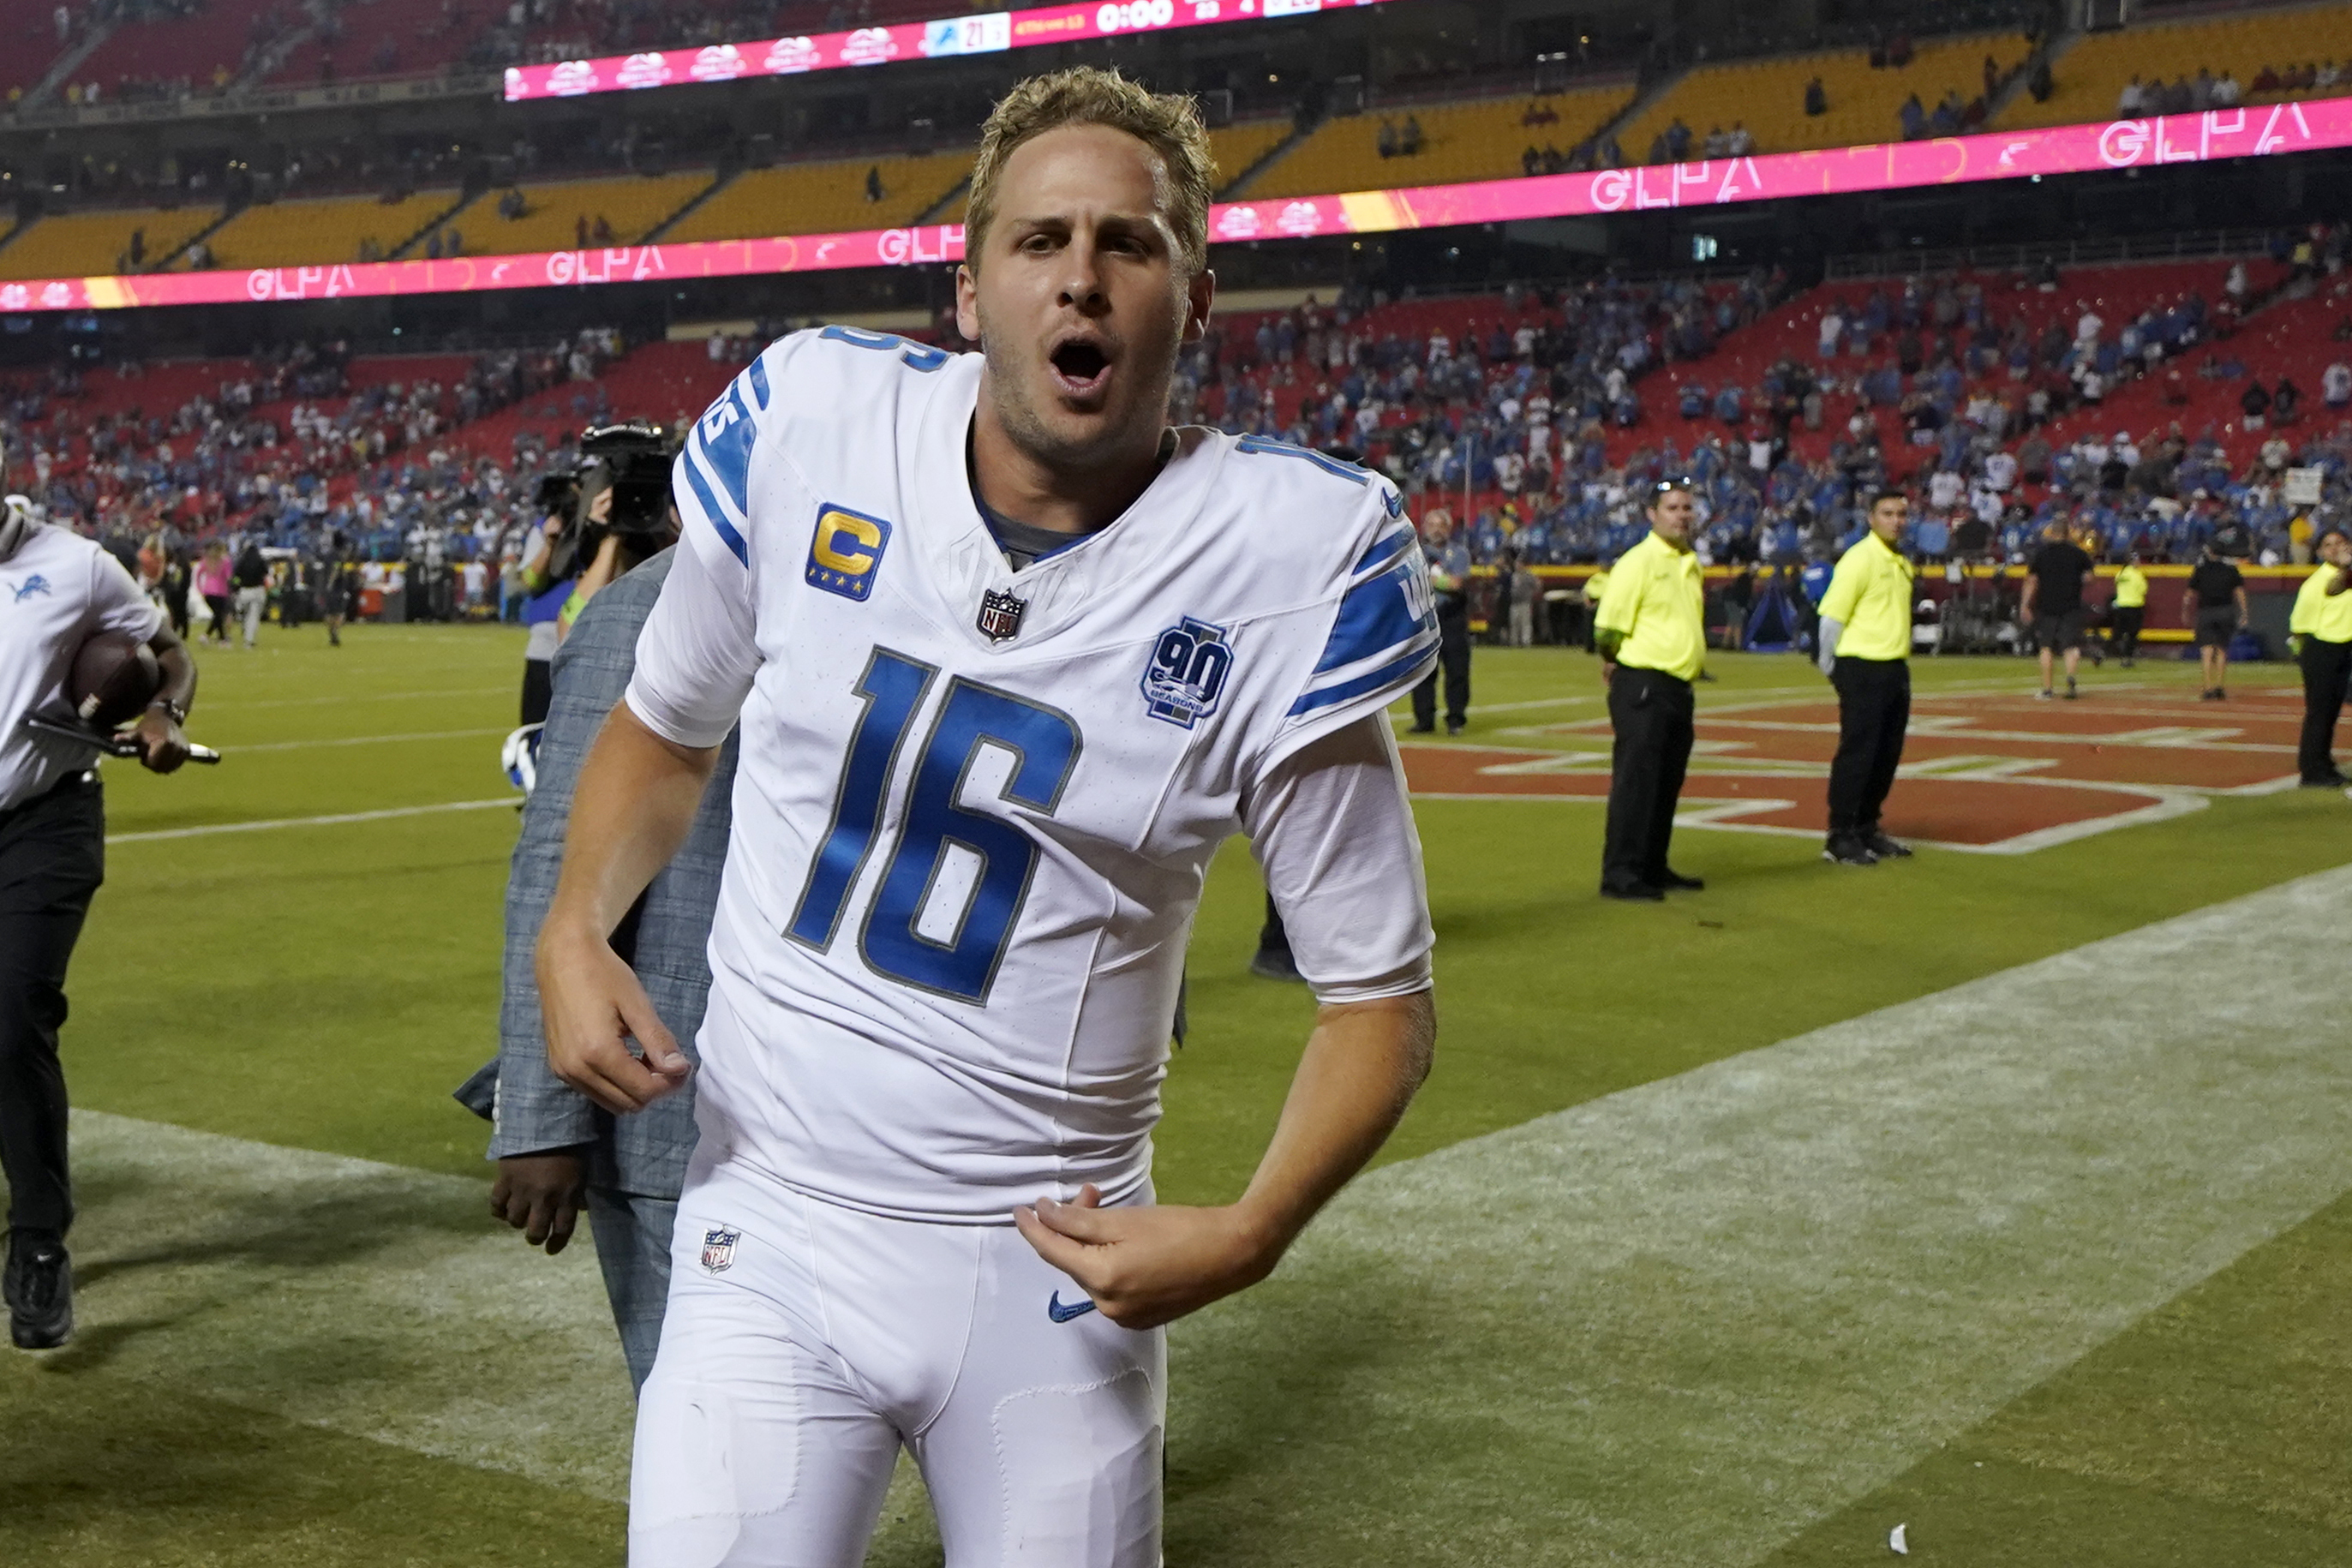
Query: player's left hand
{"type": "Point", "coordinates": [1145, 1265]}
{"type": "Point", "coordinates": [161, 745]}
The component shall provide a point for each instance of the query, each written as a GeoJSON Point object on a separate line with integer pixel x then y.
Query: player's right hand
{"type": "Point", "coordinates": [592, 1006]}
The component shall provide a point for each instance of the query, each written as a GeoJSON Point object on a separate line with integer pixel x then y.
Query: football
{"type": "Point", "coordinates": [114, 678]}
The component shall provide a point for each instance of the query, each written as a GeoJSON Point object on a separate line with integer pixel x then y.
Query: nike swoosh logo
{"type": "Point", "coordinates": [1061, 1314]}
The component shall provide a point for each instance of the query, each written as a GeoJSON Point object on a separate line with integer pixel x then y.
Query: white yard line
{"type": "Point", "coordinates": [1731, 1302]}
{"type": "Point", "coordinates": [335, 820]}
{"type": "Point", "coordinates": [365, 740]}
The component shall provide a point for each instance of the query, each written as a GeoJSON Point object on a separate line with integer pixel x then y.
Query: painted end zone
{"type": "Point", "coordinates": [1992, 772]}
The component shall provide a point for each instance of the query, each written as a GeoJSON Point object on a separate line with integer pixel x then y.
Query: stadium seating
{"type": "Point", "coordinates": [822, 198]}
{"type": "Point", "coordinates": [1239, 147]}
{"type": "Point", "coordinates": [86, 243]}
{"type": "Point", "coordinates": [632, 206]}
{"type": "Point", "coordinates": [1768, 95]}
{"type": "Point", "coordinates": [2091, 75]}
{"type": "Point", "coordinates": [190, 47]}
{"type": "Point", "coordinates": [380, 39]}
{"type": "Point", "coordinates": [1476, 141]}
{"type": "Point", "coordinates": [327, 229]}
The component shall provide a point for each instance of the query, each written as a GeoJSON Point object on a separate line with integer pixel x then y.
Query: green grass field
{"type": "Point", "coordinates": [1739, 1229]}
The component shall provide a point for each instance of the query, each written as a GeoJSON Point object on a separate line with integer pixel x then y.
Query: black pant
{"type": "Point", "coordinates": [538, 688]}
{"type": "Point", "coordinates": [1874, 709]}
{"type": "Point", "coordinates": [2124, 621]}
{"type": "Point", "coordinates": [1453, 662]}
{"type": "Point", "coordinates": [1650, 711]}
{"type": "Point", "coordinates": [2327, 674]}
{"type": "Point", "coordinates": [52, 858]}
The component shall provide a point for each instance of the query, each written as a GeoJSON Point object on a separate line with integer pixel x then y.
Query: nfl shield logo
{"type": "Point", "coordinates": [719, 1249]}
{"type": "Point", "coordinates": [999, 614]}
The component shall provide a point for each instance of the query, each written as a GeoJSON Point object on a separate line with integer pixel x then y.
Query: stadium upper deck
{"type": "Point", "coordinates": [1864, 97]}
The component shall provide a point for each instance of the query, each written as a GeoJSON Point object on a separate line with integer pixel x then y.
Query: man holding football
{"type": "Point", "coordinates": [57, 590]}
{"type": "Point", "coordinates": [1009, 659]}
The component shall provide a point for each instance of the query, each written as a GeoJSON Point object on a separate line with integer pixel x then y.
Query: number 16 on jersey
{"type": "Point", "coordinates": [953, 950]}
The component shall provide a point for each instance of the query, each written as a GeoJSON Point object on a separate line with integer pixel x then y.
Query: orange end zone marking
{"type": "Point", "coordinates": [1991, 773]}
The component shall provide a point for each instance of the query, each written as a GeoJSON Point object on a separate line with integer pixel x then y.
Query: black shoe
{"type": "Point", "coordinates": [2044, 695]}
{"type": "Point", "coordinates": [1633, 892]}
{"type": "Point", "coordinates": [1673, 881]}
{"type": "Point", "coordinates": [2206, 695]}
{"type": "Point", "coordinates": [1876, 841]}
{"type": "Point", "coordinates": [1848, 850]}
{"type": "Point", "coordinates": [38, 1285]}
{"type": "Point", "coordinates": [1424, 730]}
{"type": "Point", "coordinates": [2070, 689]}
{"type": "Point", "coordinates": [1456, 726]}
{"type": "Point", "coordinates": [1275, 964]}
{"type": "Point", "coordinates": [2327, 781]}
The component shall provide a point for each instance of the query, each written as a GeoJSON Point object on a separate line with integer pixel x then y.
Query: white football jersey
{"type": "Point", "coordinates": [975, 807]}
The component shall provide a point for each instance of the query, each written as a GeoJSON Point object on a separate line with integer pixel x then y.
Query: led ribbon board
{"type": "Point", "coordinates": [942, 39]}
{"type": "Point", "coordinates": [2215, 134]}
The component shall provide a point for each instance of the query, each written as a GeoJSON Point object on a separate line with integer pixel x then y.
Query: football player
{"type": "Point", "coordinates": [1009, 659]}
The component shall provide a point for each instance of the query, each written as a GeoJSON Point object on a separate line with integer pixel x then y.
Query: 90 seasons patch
{"type": "Point", "coordinates": [845, 552]}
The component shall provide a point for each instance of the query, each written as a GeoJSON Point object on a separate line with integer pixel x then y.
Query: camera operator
{"type": "Point", "coordinates": [557, 1152]}
{"type": "Point", "coordinates": [557, 502]}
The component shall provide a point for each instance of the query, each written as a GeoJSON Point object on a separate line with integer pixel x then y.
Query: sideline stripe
{"type": "Point", "coordinates": [370, 1299]}
{"type": "Point", "coordinates": [1730, 1303]}
{"type": "Point", "coordinates": [1727, 1303]}
{"type": "Point", "coordinates": [339, 817]}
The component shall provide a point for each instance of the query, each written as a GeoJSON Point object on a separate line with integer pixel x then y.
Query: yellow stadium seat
{"type": "Point", "coordinates": [822, 198]}
{"type": "Point", "coordinates": [325, 229]}
{"type": "Point", "coordinates": [1768, 95]}
{"type": "Point", "coordinates": [2091, 75]}
{"type": "Point", "coordinates": [1237, 147]}
{"type": "Point", "coordinates": [632, 206]}
{"type": "Point", "coordinates": [1460, 142]}
{"type": "Point", "coordinates": [95, 244]}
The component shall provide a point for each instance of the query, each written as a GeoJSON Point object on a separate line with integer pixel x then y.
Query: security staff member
{"type": "Point", "coordinates": [2321, 627]}
{"type": "Point", "coordinates": [1652, 636]}
{"type": "Point", "coordinates": [57, 591]}
{"type": "Point", "coordinates": [1449, 580]}
{"type": "Point", "coordinates": [1866, 653]}
{"type": "Point", "coordinates": [2127, 611]}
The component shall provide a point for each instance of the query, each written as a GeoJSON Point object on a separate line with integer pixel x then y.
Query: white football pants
{"type": "Point", "coordinates": [805, 1343]}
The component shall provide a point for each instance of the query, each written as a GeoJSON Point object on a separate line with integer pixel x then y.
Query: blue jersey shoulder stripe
{"type": "Point", "coordinates": [1331, 466]}
{"type": "Point", "coordinates": [1375, 616]}
{"type": "Point", "coordinates": [758, 376]}
{"type": "Point", "coordinates": [710, 507]}
{"type": "Point", "coordinates": [1395, 671]}
{"type": "Point", "coordinates": [1384, 550]}
{"type": "Point", "coordinates": [728, 450]}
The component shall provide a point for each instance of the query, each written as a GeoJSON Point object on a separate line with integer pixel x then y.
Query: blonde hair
{"type": "Point", "coordinates": [1166, 123]}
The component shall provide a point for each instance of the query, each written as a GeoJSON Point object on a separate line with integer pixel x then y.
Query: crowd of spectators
{"type": "Point", "coordinates": [2187, 94]}
{"type": "Point", "coordinates": [287, 454]}
{"type": "Point", "coordinates": [1541, 412]}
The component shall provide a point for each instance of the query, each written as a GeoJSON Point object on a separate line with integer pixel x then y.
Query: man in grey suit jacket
{"type": "Point", "coordinates": [557, 1150]}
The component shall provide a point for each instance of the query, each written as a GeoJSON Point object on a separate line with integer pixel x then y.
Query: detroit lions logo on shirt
{"type": "Point", "coordinates": [1187, 672]}
{"type": "Point", "coordinates": [36, 584]}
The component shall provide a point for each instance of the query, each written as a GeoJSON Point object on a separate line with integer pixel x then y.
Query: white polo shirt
{"type": "Point", "coordinates": [55, 593]}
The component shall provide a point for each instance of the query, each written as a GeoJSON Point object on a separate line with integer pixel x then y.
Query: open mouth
{"type": "Point", "coordinates": [1081, 369]}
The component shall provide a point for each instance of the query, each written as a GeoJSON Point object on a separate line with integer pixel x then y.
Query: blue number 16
{"type": "Point", "coordinates": [1044, 746]}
